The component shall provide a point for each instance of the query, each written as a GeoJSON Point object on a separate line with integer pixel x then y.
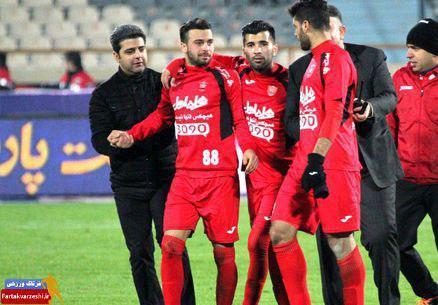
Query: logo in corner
{"type": "Point", "coordinates": [30, 291]}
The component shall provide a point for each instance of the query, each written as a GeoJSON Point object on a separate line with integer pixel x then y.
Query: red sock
{"type": "Point", "coordinates": [227, 275]}
{"type": "Point", "coordinates": [172, 274]}
{"type": "Point", "coordinates": [292, 265]}
{"type": "Point", "coordinates": [258, 245]}
{"type": "Point", "coordinates": [352, 272]}
{"type": "Point", "coordinates": [277, 281]}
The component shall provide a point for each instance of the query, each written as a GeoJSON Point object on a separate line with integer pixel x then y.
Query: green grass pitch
{"type": "Point", "coordinates": [82, 246]}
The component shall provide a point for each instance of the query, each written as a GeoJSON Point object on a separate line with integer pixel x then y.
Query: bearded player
{"type": "Point", "coordinates": [323, 183]}
{"type": "Point", "coordinates": [264, 86]}
{"type": "Point", "coordinates": [205, 104]}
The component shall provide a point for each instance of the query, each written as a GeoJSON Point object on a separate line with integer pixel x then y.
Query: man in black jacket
{"type": "Point", "coordinates": [378, 155]}
{"type": "Point", "coordinates": [140, 176]}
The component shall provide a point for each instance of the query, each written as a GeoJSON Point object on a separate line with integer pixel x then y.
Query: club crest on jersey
{"type": "Point", "coordinates": [272, 90]}
{"type": "Point", "coordinates": [326, 63]}
{"type": "Point", "coordinates": [307, 96]}
{"type": "Point", "coordinates": [202, 85]}
{"type": "Point", "coordinates": [198, 102]}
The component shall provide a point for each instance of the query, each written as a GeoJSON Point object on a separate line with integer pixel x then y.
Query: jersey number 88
{"type": "Point", "coordinates": [210, 157]}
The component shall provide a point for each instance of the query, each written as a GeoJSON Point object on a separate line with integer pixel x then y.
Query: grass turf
{"type": "Point", "coordinates": [82, 246]}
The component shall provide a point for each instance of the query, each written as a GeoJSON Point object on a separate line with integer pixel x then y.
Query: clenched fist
{"type": "Point", "coordinates": [120, 139]}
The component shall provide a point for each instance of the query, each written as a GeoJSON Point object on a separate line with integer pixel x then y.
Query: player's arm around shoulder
{"type": "Point", "coordinates": [229, 61]}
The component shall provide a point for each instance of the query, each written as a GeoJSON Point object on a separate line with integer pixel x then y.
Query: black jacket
{"type": "Point", "coordinates": [378, 153]}
{"type": "Point", "coordinates": [119, 103]}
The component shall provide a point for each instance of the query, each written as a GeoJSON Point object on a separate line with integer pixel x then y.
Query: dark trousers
{"type": "Point", "coordinates": [378, 236]}
{"type": "Point", "coordinates": [137, 209]}
{"type": "Point", "coordinates": [414, 202]}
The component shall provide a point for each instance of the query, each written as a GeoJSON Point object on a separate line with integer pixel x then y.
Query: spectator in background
{"type": "Point", "coordinates": [5, 77]}
{"type": "Point", "coordinates": [414, 125]}
{"type": "Point", "coordinates": [75, 78]}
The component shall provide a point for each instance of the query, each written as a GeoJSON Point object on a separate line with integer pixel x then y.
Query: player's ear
{"type": "Point", "coordinates": [275, 49]}
{"type": "Point", "coordinates": [116, 56]}
{"type": "Point", "coordinates": [342, 31]}
{"type": "Point", "coordinates": [183, 47]}
{"type": "Point", "coordinates": [305, 26]}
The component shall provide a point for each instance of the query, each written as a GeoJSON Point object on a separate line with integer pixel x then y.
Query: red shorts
{"type": "Point", "coordinates": [261, 197]}
{"type": "Point", "coordinates": [215, 199]}
{"type": "Point", "coordinates": [338, 213]}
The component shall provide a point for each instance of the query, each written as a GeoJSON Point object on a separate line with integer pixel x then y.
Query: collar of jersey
{"type": "Point", "coordinates": [323, 47]}
{"type": "Point", "coordinates": [276, 69]}
{"type": "Point", "coordinates": [199, 69]}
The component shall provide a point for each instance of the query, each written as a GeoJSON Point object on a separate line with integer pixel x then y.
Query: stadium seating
{"type": "Point", "coordinates": [80, 15]}
{"type": "Point", "coordinates": [24, 29]}
{"type": "Point", "coordinates": [8, 3]}
{"type": "Point", "coordinates": [37, 3]}
{"type": "Point", "coordinates": [73, 43]}
{"type": "Point", "coordinates": [35, 43]}
{"type": "Point", "coordinates": [86, 24]}
{"type": "Point", "coordinates": [42, 15]}
{"type": "Point", "coordinates": [71, 3]}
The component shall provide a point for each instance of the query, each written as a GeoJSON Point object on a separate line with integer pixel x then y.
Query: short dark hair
{"type": "Point", "coordinates": [194, 24]}
{"type": "Point", "coordinates": [75, 58]}
{"type": "Point", "coordinates": [123, 32]}
{"type": "Point", "coordinates": [314, 11]}
{"type": "Point", "coordinates": [334, 12]}
{"type": "Point", "coordinates": [258, 26]}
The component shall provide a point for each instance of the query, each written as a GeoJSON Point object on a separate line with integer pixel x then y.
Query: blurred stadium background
{"type": "Point", "coordinates": [36, 32]}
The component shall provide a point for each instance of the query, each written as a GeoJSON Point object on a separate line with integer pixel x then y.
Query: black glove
{"type": "Point", "coordinates": [314, 176]}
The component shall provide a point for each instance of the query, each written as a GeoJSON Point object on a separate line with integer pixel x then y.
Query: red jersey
{"type": "Point", "coordinates": [414, 124]}
{"type": "Point", "coordinates": [78, 80]}
{"type": "Point", "coordinates": [326, 106]}
{"type": "Point", "coordinates": [204, 122]}
{"type": "Point", "coordinates": [264, 101]}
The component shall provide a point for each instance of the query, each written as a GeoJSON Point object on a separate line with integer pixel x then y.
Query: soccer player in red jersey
{"type": "Point", "coordinates": [323, 183]}
{"type": "Point", "coordinates": [264, 86]}
{"type": "Point", "coordinates": [205, 104]}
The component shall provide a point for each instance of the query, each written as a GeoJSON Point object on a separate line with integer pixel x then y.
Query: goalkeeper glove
{"type": "Point", "coordinates": [314, 176]}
